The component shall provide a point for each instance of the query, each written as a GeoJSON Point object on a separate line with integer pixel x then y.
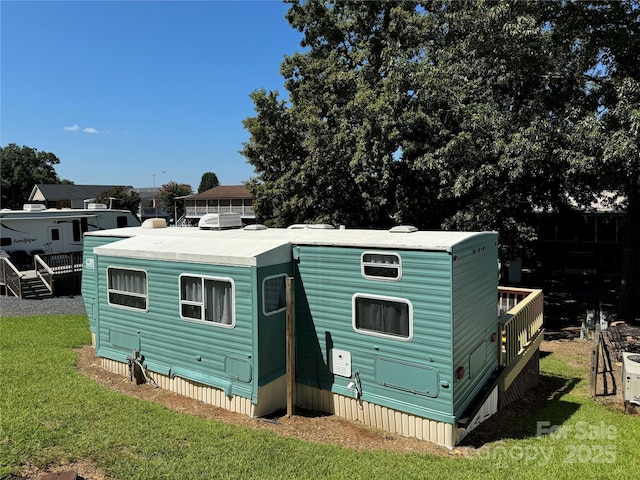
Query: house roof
{"type": "Point", "coordinates": [222, 192]}
{"type": "Point", "coordinates": [43, 191]}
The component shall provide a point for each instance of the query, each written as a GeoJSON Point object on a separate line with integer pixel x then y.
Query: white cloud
{"type": "Point", "coordinates": [90, 130]}
{"type": "Point", "coordinates": [73, 128]}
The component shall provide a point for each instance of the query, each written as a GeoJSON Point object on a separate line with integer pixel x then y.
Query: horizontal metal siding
{"type": "Point", "coordinates": [168, 341]}
{"type": "Point", "coordinates": [271, 334]}
{"type": "Point", "coordinates": [89, 277]}
{"type": "Point", "coordinates": [327, 278]}
{"type": "Point", "coordinates": [475, 294]}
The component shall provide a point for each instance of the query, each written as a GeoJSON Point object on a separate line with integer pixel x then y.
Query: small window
{"type": "Point", "coordinates": [274, 294]}
{"type": "Point", "coordinates": [383, 316]}
{"type": "Point", "coordinates": [127, 288]}
{"type": "Point", "coordinates": [121, 221]}
{"type": "Point", "coordinates": [381, 266]}
{"type": "Point", "coordinates": [55, 234]}
{"type": "Point", "coordinates": [77, 233]}
{"type": "Point", "coordinates": [5, 242]}
{"type": "Point", "coordinates": [207, 299]}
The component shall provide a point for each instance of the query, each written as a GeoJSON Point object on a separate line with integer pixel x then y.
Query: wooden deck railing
{"type": "Point", "coordinates": [44, 272]}
{"type": "Point", "coordinates": [520, 318]}
{"type": "Point", "coordinates": [11, 278]}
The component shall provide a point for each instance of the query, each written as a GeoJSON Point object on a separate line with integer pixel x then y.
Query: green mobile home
{"type": "Point", "coordinates": [397, 329]}
{"type": "Point", "coordinates": [205, 316]}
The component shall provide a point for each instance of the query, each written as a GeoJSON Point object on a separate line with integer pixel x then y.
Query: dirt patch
{"type": "Point", "coordinates": [328, 429]}
{"type": "Point", "coordinates": [83, 470]}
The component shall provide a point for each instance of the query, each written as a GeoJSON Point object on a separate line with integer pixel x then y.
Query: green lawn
{"type": "Point", "coordinates": [52, 414]}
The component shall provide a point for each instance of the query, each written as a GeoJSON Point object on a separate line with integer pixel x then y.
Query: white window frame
{"type": "Point", "coordinates": [387, 299]}
{"type": "Point", "coordinates": [128, 293]}
{"type": "Point", "coordinates": [395, 266]}
{"type": "Point", "coordinates": [264, 296]}
{"type": "Point", "coordinates": [201, 304]}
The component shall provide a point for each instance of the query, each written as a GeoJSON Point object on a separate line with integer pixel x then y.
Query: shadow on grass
{"type": "Point", "coordinates": [520, 420]}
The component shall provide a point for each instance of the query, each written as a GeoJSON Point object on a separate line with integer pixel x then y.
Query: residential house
{"type": "Point", "coordinates": [68, 196]}
{"type": "Point", "coordinates": [220, 199]}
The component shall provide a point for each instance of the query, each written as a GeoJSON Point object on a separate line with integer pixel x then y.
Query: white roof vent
{"type": "Point", "coordinates": [33, 207]}
{"type": "Point", "coordinates": [154, 223]}
{"type": "Point", "coordinates": [255, 226]}
{"type": "Point", "coordinates": [403, 229]}
{"type": "Point", "coordinates": [97, 206]}
{"type": "Point", "coordinates": [219, 221]}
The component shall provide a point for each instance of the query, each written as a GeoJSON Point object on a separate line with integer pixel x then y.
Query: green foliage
{"type": "Point", "coordinates": [51, 414]}
{"type": "Point", "coordinates": [455, 115]}
{"type": "Point", "coordinates": [209, 180]}
{"type": "Point", "coordinates": [120, 198]}
{"type": "Point", "coordinates": [21, 168]}
{"type": "Point", "coordinates": [451, 114]}
{"type": "Point", "coordinates": [168, 194]}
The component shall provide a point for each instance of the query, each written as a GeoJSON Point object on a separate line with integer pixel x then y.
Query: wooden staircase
{"type": "Point", "coordinates": [34, 288]}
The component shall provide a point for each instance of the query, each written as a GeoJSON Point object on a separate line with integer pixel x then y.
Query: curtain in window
{"type": "Point", "coordinates": [128, 281]}
{"type": "Point", "coordinates": [218, 302]}
{"type": "Point", "coordinates": [123, 283]}
{"type": "Point", "coordinates": [381, 258]}
{"type": "Point", "coordinates": [383, 316]}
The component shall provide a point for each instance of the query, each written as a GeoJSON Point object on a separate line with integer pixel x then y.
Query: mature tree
{"type": "Point", "coordinates": [208, 180]}
{"type": "Point", "coordinates": [120, 198]}
{"type": "Point", "coordinates": [21, 169]}
{"type": "Point", "coordinates": [448, 114]}
{"type": "Point", "coordinates": [169, 194]}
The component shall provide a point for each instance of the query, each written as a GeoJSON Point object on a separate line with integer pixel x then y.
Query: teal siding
{"type": "Point", "coordinates": [214, 355]}
{"type": "Point", "coordinates": [271, 334]}
{"type": "Point", "coordinates": [89, 280]}
{"type": "Point", "coordinates": [327, 278]}
{"type": "Point", "coordinates": [475, 293]}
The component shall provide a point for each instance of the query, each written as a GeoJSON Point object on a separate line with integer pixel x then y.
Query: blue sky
{"type": "Point", "coordinates": [120, 91]}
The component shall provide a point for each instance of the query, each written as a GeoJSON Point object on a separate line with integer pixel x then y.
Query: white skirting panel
{"type": "Point", "coordinates": [372, 415]}
{"type": "Point", "coordinates": [272, 396]}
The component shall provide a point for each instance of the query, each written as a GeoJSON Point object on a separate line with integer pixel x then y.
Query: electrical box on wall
{"type": "Point", "coordinates": [340, 362]}
{"type": "Point", "coordinates": [631, 377]}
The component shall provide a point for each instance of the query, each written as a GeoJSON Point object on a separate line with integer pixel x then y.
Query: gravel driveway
{"type": "Point", "coordinates": [16, 307]}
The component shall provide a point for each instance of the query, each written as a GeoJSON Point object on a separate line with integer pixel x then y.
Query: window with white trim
{"type": "Point", "coordinates": [382, 316]}
{"type": "Point", "coordinates": [381, 266]}
{"type": "Point", "coordinates": [207, 299]}
{"type": "Point", "coordinates": [274, 294]}
{"type": "Point", "coordinates": [127, 288]}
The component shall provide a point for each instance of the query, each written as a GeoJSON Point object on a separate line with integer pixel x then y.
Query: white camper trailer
{"type": "Point", "coordinates": [38, 230]}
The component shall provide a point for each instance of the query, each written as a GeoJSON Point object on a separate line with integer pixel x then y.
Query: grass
{"type": "Point", "coordinates": [51, 414]}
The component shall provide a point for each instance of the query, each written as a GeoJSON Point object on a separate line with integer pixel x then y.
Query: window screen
{"type": "Point", "coordinates": [382, 266]}
{"type": "Point", "coordinates": [274, 294]}
{"type": "Point", "coordinates": [127, 288]}
{"type": "Point", "coordinates": [382, 316]}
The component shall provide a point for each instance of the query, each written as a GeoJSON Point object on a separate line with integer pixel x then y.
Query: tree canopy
{"type": "Point", "coordinates": [168, 194]}
{"type": "Point", "coordinates": [209, 180]}
{"type": "Point", "coordinates": [468, 115]}
{"type": "Point", "coordinates": [21, 169]}
{"type": "Point", "coordinates": [120, 198]}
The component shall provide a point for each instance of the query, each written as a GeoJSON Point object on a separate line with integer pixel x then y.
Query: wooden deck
{"type": "Point", "coordinates": [40, 282]}
{"type": "Point", "coordinates": [521, 321]}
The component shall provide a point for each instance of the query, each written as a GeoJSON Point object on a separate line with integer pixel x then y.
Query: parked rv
{"type": "Point", "coordinates": [38, 230]}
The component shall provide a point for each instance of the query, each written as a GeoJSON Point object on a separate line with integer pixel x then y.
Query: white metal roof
{"type": "Point", "coordinates": [259, 247]}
